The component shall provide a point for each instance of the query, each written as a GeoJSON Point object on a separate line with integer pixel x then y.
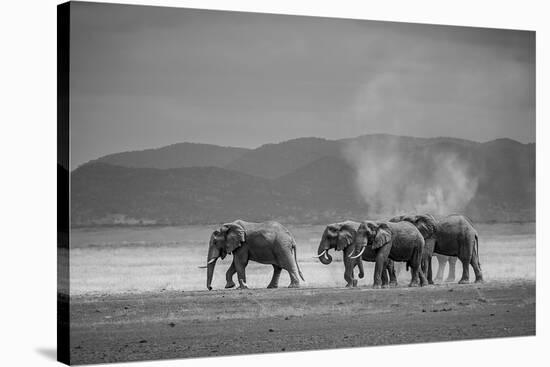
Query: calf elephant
{"type": "Point", "coordinates": [452, 236]}
{"type": "Point", "coordinates": [341, 236]}
{"type": "Point", "coordinates": [266, 243]}
{"type": "Point", "coordinates": [396, 241]}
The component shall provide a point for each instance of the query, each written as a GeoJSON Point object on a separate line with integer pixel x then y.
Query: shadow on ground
{"type": "Point", "coordinates": [50, 353]}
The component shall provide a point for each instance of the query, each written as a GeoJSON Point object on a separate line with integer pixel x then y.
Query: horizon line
{"type": "Point", "coordinates": [298, 138]}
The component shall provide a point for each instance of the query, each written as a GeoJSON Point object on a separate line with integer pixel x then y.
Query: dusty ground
{"type": "Point", "coordinates": [173, 324]}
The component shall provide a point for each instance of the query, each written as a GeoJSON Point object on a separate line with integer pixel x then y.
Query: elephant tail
{"type": "Point", "coordinates": [296, 261]}
{"type": "Point", "coordinates": [476, 249]}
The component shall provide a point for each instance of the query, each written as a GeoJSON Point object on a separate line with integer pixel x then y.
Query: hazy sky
{"type": "Point", "coordinates": [145, 77]}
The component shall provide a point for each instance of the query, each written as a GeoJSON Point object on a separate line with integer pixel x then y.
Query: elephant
{"type": "Point", "coordinates": [442, 262]}
{"type": "Point", "coordinates": [426, 225]}
{"type": "Point", "coordinates": [453, 236]}
{"type": "Point", "coordinates": [340, 236]}
{"type": "Point", "coordinates": [266, 243]}
{"type": "Point", "coordinates": [399, 241]}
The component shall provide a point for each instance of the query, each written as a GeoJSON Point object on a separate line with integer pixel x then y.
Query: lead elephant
{"type": "Point", "coordinates": [266, 243]}
{"type": "Point", "coordinates": [340, 236]}
{"type": "Point", "coordinates": [454, 236]}
{"type": "Point", "coordinates": [396, 241]}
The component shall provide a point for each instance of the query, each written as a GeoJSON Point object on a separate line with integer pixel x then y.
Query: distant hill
{"type": "Point", "coordinates": [275, 160]}
{"type": "Point", "coordinates": [107, 194]}
{"type": "Point", "coordinates": [176, 156]}
{"type": "Point", "coordinates": [310, 180]}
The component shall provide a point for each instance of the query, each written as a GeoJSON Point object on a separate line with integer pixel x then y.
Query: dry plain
{"type": "Point", "coordinates": [136, 294]}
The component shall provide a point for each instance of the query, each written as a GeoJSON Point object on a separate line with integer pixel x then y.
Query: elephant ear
{"type": "Point", "coordinates": [235, 236]}
{"type": "Point", "coordinates": [345, 238]}
{"type": "Point", "coordinates": [426, 225]}
{"type": "Point", "coordinates": [332, 230]}
{"type": "Point", "coordinates": [383, 236]}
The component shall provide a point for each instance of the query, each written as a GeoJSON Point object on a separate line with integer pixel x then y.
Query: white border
{"type": "Point", "coordinates": [28, 151]}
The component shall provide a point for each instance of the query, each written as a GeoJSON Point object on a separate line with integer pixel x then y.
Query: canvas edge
{"type": "Point", "coordinates": [63, 65]}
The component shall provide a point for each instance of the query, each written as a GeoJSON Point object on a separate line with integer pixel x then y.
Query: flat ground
{"type": "Point", "coordinates": [178, 324]}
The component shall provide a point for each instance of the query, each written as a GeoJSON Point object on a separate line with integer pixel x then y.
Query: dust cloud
{"type": "Point", "coordinates": [392, 179]}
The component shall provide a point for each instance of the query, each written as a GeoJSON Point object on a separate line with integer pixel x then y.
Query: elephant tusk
{"type": "Point", "coordinates": [208, 263]}
{"type": "Point", "coordinates": [320, 255]}
{"type": "Point", "coordinates": [359, 254]}
{"type": "Point", "coordinates": [326, 257]}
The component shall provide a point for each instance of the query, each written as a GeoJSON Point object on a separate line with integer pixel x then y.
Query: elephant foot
{"type": "Point", "coordinates": [294, 285]}
{"type": "Point", "coordinates": [376, 286]}
{"type": "Point", "coordinates": [354, 283]}
{"type": "Point", "coordinates": [431, 282]}
{"type": "Point", "coordinates": [209, 288]}
{"type": "Point", "coordinates": [393, 284]}
{"type": "Point", "coordinates": [413, 284]}
{"type": "Point", "coordinates": [230, 284]}
{"type": "Point", "coordinates": [242, 284]}
{"type": "Point", "coordinates": [272, 286]}
{"type": "Point", "coordinates": [464, 281]}
{"type": "Point", "coordinates": [384, 286]}
{"type": "Point", "coordinates": [480, 280]}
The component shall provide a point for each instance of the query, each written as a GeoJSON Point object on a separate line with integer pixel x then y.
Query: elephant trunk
{"type": "Point", "coordinates": [322, 251]}
{"type": "Point", "coordinates": [210, 274]}
{"type": "Point", "coordinates": [325, 258]}
{"type": "Point", "coordinates": [213, 254]}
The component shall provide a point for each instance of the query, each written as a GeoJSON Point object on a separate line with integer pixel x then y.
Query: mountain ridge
{"type": "Point", "coordinates": [315, 181]}
{"type": "Point", "coordinates": [232, 157]}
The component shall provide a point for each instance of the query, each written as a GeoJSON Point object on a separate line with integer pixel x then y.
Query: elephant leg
{"type": "Point", "coordinates": [423, 280]}
{"type": "Point", "coordinates": [292, 269]}
{"type": "Point", "coordinates": [477, 267]}
{"type": "Point", "coordinates": [442, 263]}
{"type": "Point", "coordinates": [452, 269]}
{"type": "Point", "coordinates": [294, 279]}
{"type": "Point", "coordinates": [429, 273]}
{"type": "Point", "coordinates": [275, 279]}
{"type": "Point", "coordinates": [349, 265]}
{"type": "Point", "coordinates": [229, 276]}
{"type": "Point", "coordinates": [378, 269]}
{"type": "Point", "coordinates": [349, 268]}
{"type": "Point", "coordinates": [424, 266]}
{"type": "Point", "coordinates": [426, 272]}
{"type": "Point", "coordinates": [288, 262]}
{"type": "Point", "coordinates": [240, 265]}
{"type": "Point", "coordinates": [416, 270]}
{"type": "Point", "coordinates": [414, 277]}
{"type": "Point", "coordinates": [465, 271]}
{"type": "Point", "coordinates": [385, 278]}
{"type": "Point", "coordinates": [390, 267]}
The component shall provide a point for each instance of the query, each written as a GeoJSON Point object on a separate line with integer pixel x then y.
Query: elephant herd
{"type": "Point", "coordinates": [412, 239]}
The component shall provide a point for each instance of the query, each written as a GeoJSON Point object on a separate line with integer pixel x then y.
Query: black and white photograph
{"type": "Point", "coordinates": [241, 183]}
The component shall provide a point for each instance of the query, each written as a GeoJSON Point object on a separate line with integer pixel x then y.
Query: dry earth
{"type": "Point", "coordinates": [147, 326]}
